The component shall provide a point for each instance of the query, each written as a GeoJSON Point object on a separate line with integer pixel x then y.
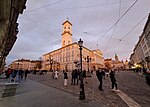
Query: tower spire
{"type": "Point", "coordinates": [66, 33]}
{"type": "Point", "coordinates": [116, 57]}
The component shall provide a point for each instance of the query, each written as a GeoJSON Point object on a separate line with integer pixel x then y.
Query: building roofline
{"type": "Point", "coordinates": [148, 20]}
{"type": "Point", "coordinates": [67, 46]}
{"type": "Point", "coordinates": [66, 22]}
{"type": "Point", "coordinates": [60, 48]}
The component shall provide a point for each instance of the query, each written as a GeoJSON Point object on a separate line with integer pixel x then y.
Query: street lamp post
{"type": "Point", "coordinates": [82, 93]}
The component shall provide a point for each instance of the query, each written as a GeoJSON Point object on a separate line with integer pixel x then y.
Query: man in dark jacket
{"type": "Point", "coordinates": [26, 73]}
{"type": "Point", "coordinates": [74, 77]}
{"type": "Point", "coordinates": [113, 79]}
{"type": "Point", "coordinates": [99, 75]}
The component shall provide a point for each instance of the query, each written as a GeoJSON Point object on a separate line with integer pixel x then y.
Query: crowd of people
{"type": "Point", "coordinates": [16, 75]}
{"type": "Point", "coordinates": [144, 71]}
{"type": "Point", "coordinates": [76, 76]}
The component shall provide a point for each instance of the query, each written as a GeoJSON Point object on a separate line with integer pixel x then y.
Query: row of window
{"type": "Point", "coordinates": [67, 44]}
{"type": "Point", "coordinates": [66, 27]}
{"type": "Point", "coordinates": [64, 59]}
{"type": "Point", "coordinates": [63, 50]}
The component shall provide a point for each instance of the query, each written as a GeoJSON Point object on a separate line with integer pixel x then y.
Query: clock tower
{"type": "Point", "coordinates": [66, 38]}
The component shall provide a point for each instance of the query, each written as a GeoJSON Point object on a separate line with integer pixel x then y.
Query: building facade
{"type": "Point", "coordinates": [68, 56]}
{"type": "Point", "coordinates": [24, 64]}
{"type": "Point", "coordinates": [141, 52]}
{"type": "Point", "coordinates": [9, 13]}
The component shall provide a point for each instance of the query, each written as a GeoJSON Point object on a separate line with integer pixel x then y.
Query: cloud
{"type": "Point", "coordinates": [40, 30]}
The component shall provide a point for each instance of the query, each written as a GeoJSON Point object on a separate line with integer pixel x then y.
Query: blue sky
{"type": "Point", "coordinates": [40, 26]}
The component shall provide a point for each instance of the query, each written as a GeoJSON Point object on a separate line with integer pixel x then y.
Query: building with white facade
{"type": "Point", "coordinates": [68, 56]}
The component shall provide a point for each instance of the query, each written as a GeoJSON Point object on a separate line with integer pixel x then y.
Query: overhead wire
{"type": "Point", "coordinates": [131, 30]}
{"type": "Point", "coordinates": [45, 6]}
{"type": "Point", "coordinates": [114, 28]}
{"type": "Point", "coordinates": [116, 21]}
{"type": "Point", "coordinates": [81, 7]}
{"type": "Point", "coordinates": [103, 4]}
{"type": "Point", "coordinates": [29, 19]}
{"type": "Point", "coordinates": [134, 27]}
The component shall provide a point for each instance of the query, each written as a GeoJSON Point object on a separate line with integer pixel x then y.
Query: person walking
{"type": "Point", "coordinates": [99, 75]}
{"type": "Point", "coordinates": [84, 76]}
{"type": "Point", "coordinates": [73, 79]}
{"type": "Point", "coordinates": [78, 76]}
{"type": "Point", "coordinates": [18, 77]}
{"type": "Point", "coordinates": [65, 78]}
{"type": "Point", "coordinates": [56, 74]}
{"type": "Point", "coordinates": [8, 72]}
{"type": "Point", "coordinates": [113, 80]}
{"type": "Point", "coordinates": [12, 75]}
{"type": "Point", "coordinates": [26, 73]}
{"type": "Point", "coordinates": [21, 74]}
{"type": "Point", "coordinates": [147, 76]}
{"type": "Point", "coordinates": [53, 74]}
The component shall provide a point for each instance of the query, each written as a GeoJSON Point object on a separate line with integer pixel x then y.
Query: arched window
{"type": "Point", "coordinates": [68, 42]}
{"type": "Point", "coordinates": [64, 43]}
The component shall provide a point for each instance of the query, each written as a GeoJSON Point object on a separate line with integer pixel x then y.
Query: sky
{"type": "Point", "coordinates": [112, 26]}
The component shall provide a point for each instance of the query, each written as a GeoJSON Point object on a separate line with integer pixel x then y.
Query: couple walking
{"type": "Point", "coordinates": [101, 73]}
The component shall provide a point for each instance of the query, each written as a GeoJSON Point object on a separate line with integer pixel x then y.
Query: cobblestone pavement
{"type": "Point", "coordinates": [134, 85]}
{"type": "Point", "coordinates": [106, 97]}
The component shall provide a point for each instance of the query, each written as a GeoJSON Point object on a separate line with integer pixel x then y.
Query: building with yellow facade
{"type": "Point", "coordinates": [68, 56]}
{"type": "Point", "coordinates": [25, 64]}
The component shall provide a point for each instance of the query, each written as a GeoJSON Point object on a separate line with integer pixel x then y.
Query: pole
{"type": "Point", "coordinates": [82, 93]}
{"type": "Point", "coordinates": [88, 60]}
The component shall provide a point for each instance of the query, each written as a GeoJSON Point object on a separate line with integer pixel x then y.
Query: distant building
{"type": "Point", "coordinates": [108, 63]}
{"type": "Point", "coordinates": [24, 64]}
{"type": "Point", "coordinates": [68, 56]}
{"type": "Point", "coordinates": [141, 52]}
{"type": "Point", "coordinates": [115, 64]}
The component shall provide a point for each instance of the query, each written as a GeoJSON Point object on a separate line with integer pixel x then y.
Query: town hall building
{"type": "Point", "coordinates": [68, 56]}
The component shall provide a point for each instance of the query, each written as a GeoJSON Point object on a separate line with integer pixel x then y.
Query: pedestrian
{"type": "Point", "coordinates": [21, 74]}
{"type": "Point", "coordinates": [78, 76]}
{"type": "Point", "coordinates": [26, 73]}
{"type": "Point", "coordinates": [56, 74]}
{"type": "Point", "coordinates": [12, 76]}
{"type": "Point", "coordinates": [113, 80]}
{"type": "Point", "coordinates": [8, 72]}
{"type": "Point", "coordinates": [53, 74]}
{"type": "Point", "coordinates": [107, 72]}
{"type": "Point", "coordinates": [92, 72]}
{"type": "Point", "coordinates": [99, 75]}
{"type": "Point", "coordinates": [103, 73]}
{"type": "Point", "coordinates": [18, 75]}
{"type": "Point", "coordinates": [73, 79]}
{"type": "Point", "coordinates": [65, 78]}
{"type": "Point", "coordinates": [84, 76]}
{"type": "Point", "coordinates": [147, 76]}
